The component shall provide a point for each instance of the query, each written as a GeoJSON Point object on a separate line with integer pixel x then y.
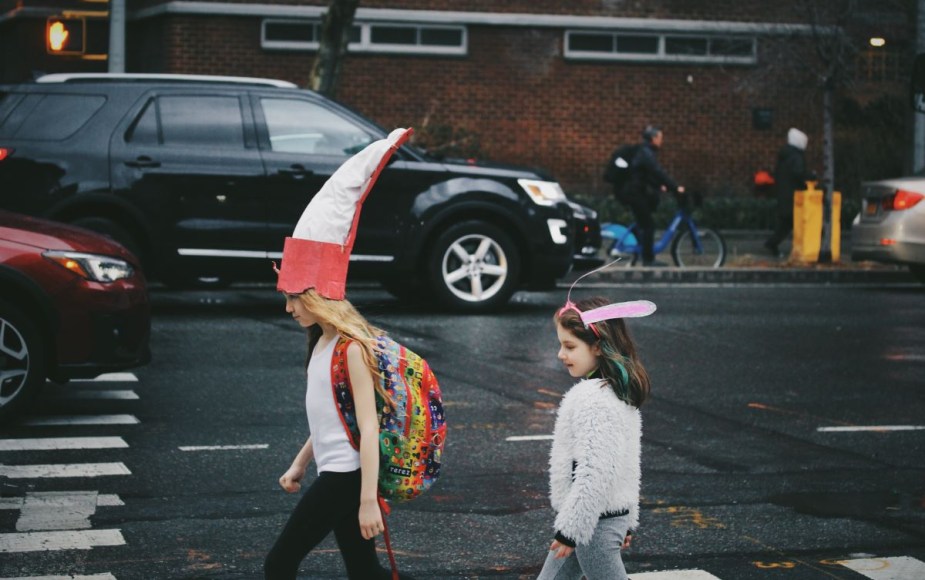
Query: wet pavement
{"type": "Point", "coordinates": [743, 475]}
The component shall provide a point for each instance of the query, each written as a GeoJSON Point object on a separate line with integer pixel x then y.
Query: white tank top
{"type": "Point", "coordinates": [333, 451]}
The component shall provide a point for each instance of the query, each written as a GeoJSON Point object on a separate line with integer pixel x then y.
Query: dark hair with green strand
{"type": "Point", "coordinates": [619, 364]}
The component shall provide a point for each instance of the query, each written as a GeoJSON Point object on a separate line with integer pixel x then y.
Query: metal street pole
{"type": "Point", "coordinates": [918, 149]}
{"type": "Point", "coordinates": [116, 36]}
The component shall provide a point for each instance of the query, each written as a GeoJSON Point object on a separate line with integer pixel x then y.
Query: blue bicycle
{"type": "Point", "coordinates": [690, 246]}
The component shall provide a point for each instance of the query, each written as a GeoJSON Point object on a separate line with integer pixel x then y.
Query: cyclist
{"type": "Point", "coordinates": [641, 191]}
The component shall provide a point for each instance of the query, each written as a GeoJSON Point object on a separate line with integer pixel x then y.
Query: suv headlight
{"type": "Point", "coordinates": [92, 266]}
{"type": "Point", "coordinates": [543, 192]}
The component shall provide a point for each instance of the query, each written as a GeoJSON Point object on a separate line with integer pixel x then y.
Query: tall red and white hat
{"type": "Point", "coordinates": [318, 253]}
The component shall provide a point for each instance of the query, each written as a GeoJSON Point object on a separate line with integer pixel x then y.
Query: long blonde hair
{"type": "Point", "coordinates": [350, 324]}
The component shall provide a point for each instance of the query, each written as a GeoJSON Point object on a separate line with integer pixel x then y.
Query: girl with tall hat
{"type": "Point", "coordinates": [344, 497]}
{"type": "Point", "coordinates": [594, 464]}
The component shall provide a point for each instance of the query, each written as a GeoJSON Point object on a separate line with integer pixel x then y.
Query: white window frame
{"type": "Point", "coordinates": [366, 44]}
{"type": "Point", "coordinates": [661, 55]}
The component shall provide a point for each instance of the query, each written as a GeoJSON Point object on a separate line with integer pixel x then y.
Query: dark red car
{"type": "Point", "coordinates": [73, 304]}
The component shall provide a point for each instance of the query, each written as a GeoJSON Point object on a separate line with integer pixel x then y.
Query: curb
{"type": "Point", "coordinates": [673, 275]}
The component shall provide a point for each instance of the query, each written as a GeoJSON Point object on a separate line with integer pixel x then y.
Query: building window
{"type": "Point", "coordinates": [365, 37]}
{"type": "Point", "coordinates": [659, 47]}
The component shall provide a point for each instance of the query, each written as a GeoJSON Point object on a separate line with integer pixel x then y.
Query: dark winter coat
{"type": "Point", "coordinates": [646, 175]}
{"type": "Point", "coordinates": [789, 175]}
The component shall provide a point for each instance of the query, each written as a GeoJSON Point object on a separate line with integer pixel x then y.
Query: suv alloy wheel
{"type": "Point", "coordinates": [474, 265]}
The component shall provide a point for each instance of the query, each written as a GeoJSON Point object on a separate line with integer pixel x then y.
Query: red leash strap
{"type": "Point", "coordinates": [386, 510]}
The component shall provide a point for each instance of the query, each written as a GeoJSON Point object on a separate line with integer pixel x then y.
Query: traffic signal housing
{"type": "Point", "coordinates": [66, 35]}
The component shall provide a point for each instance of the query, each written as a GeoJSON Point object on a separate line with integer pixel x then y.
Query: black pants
{"type": "Point", "coordinates": [332, 503]}
{"type": "Point", "coordinates": [642, 206]}
{"type": "Point", "coordinates": [784, 224]}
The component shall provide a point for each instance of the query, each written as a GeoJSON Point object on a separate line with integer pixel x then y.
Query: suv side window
{"type": "Point", "coordinates": [51, 117]}
{"type": "Point", "coordinates": [297, 126]}
{"type": "Point", "coordinates": [198, 120]}
{"type": "Point", "coordinates": [144, 130]}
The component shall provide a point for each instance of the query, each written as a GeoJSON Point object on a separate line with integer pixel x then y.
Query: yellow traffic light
{"type": "Point", "coordinates": [65, 35]}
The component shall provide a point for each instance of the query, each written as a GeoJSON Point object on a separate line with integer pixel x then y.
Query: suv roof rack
{"type": "Point", "coordinates": [144, 77]}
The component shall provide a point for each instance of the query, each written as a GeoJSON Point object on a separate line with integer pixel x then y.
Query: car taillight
{"type": "Point", "coordinates": [5, 152]}
{"type": "Point", "coordinates": [900, 200]}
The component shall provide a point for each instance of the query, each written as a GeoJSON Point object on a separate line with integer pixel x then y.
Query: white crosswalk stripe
{"type": "Point", "coordinates": [95, 394]}
{"type": "Point", "coordinates": [110, 378]}
{"type": "Point", "coordinates": [674, 575]}
{"type": "Point", "coordinates": [53, 521]}
{"type": "Point", "coordinates": [102, 500]}
{"type": "Point", "coordinates": [56, 443]}
{"type": "Point", "coordinates": [106, 576]}
{"type": "Point", "coordinates": [898, 568]}
{"type": "Point", "coordinates": [59, 540]}
{"type": "Point", "coordinates": [63, 470]}
{"type": "Point", "coordinates": [77, 420]}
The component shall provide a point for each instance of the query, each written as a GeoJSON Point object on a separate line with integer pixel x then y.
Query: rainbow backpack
{"type": "Point", "coordinates": [412, 434]}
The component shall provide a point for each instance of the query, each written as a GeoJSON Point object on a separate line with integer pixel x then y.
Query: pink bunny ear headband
{"type": "Point", "coordinates": [632, 309]}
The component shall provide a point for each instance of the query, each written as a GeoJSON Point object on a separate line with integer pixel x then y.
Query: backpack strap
{"type": "Point", "coordinates": [343, 392]}
{"type": "Point", "coordinates": [346, 410]}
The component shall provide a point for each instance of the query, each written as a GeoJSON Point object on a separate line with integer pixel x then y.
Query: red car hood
{"type": "Point", "coordinates": [49, 235]}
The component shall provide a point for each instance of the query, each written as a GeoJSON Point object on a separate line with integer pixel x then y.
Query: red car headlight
{"type": "Point", "coordinates": [92, 266]}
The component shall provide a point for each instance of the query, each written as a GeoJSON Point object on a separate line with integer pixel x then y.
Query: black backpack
{"type": "Point", "coordinates": [617, 171]}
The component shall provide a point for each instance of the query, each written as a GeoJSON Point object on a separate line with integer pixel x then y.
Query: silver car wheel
{"type": "Point", "coordinates": [474, 268]}
{"type": "Point", "coordinates": [14, 362]}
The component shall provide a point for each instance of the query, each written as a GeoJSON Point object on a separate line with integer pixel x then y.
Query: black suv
{"type": "Point", "coordinates": [204, 177]}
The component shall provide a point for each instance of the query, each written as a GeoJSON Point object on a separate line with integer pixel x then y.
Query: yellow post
{"type": "Point", "coordinates": [807, 224]}
{"type": "Point", "coordinates": [836, 226]}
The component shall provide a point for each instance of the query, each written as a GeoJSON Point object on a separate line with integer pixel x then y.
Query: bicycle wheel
{"type": "Point", "coordinates": [711, 255]}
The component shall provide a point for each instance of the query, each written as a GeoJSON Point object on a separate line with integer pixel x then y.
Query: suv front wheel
{"type": "Point", "coordinates": [474, 266]}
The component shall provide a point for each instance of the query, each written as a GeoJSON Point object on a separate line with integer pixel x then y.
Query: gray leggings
{"type": "Point", "coordinates": [597, 560]}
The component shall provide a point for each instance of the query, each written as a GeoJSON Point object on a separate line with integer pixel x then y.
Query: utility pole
{"type": "Point", "coordinates": [116, 36]}
{"type": "Point", "coordinates": [918, 139]}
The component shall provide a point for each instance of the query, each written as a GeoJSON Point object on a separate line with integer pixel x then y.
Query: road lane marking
{"type": "Point", "coordinates": [899, 568]}
{"type": "Point", "coordinates": [674, 575]}
{"type": "Point", "coordinates": [530, 438]}
{"type": "Point", "coordinates": [94, 394]}
{"type": "Point", "coordinates": [102, 500]}
{"type": "Point", "coordinates": [56, 510]}
{"type": "Point", "coordinates": [72, 420]}
{"type": "Point", "coordinates": [798, 413]}
{"type": "Point", "coordinates": [54, 541]}
{"type": "Point", "coordinates": [63, 470]}
{"type": "Point", "coordinates": [222, 447]}
{"type": "Point", "coordinates": [110, 378]}
{"type": "Point", "coordinates": [106, 576]}
{"type": "Point", "coordinates": [881, 428]}
{"type": "Point", "coordinates": [59, 443]}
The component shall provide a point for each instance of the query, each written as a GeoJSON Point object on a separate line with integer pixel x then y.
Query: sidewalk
{"type": "Point", "coordinates": [747, 261]}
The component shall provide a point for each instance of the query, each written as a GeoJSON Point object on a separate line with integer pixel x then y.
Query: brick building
{"type": "Point", "coordinates": [537, 82]}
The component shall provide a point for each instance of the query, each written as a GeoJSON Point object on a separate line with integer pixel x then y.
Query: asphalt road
{"type": "Point", "coordinates": [743, 476]}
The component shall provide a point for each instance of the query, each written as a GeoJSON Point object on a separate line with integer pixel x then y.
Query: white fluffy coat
{"type": "Point", "coordinates": [603, 436]}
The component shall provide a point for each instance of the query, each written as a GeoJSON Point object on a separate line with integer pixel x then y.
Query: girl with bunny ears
{"type": "Point", "coordinates": [594, 465]}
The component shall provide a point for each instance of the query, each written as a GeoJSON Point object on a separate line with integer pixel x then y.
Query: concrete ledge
{"type": "Point", "coordinates": [805, 275]}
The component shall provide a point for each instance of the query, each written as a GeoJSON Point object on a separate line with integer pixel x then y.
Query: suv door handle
{"type": "Point", "coordinates": [296, 171]}
{"type": "Point", "coordinates": [143, 161]}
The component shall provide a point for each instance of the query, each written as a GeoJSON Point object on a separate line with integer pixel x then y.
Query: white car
{"type": "Point", "coordinates": [891, 225]}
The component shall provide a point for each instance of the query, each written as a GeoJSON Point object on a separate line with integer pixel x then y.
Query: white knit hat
{"type": "Point", "coordinates": [797, 138]}
{"type": "Point", "coordinates": [318, 253]}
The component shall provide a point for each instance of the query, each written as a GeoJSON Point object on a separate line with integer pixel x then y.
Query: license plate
{"type": "Point", "coordinates": [871, 207]}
